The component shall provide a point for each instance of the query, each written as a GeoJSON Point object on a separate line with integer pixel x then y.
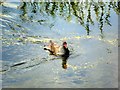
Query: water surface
{"type": "Point", "coordinates": [90, 28]}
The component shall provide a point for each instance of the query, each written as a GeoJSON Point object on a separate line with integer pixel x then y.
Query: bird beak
{"type": "Point", "coordinates": [65, 45]}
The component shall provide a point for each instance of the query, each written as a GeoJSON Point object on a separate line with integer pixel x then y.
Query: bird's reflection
{"type": "Point", "coordinates": [64, 63]}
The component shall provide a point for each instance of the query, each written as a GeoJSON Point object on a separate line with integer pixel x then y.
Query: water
{"type": "Point", "coordinates": [90, 30]}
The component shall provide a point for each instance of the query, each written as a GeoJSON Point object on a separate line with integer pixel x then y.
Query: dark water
{"type": "Point", "coordinates": [90, 28]}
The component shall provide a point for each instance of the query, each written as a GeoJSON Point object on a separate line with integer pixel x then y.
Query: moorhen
{"type": "Point", "coordinates": [56, 50]}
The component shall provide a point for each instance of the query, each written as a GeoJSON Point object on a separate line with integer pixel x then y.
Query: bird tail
{"type": "Point", "coordinates": [48, 50]}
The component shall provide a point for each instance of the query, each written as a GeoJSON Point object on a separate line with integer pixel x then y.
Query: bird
{"type": "Point", "coordinates": [57, 50]}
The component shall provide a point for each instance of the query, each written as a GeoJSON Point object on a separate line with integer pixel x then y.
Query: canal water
{"type": "Point", "coordinates": [89, 28]}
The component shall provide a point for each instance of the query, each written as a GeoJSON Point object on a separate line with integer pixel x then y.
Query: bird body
{"type": "Point", "coordinates": [57, 50]}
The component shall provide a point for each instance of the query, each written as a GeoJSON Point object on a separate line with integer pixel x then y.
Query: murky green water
{"type": "Point", "coordinates": [90, 28]}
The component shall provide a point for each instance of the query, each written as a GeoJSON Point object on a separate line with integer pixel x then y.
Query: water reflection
{"type": "Point", "coordinates": [80, 10]}
{"type": "Point", "coordinates": [26, 29]}
{"type": "Point", "coordinates": [84, 13]}
{"type": "Point", "coordinates": [64, 63]}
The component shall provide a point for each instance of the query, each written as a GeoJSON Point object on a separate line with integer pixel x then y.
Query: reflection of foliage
{"type": "Point", "coordinates": [116, 6]}
{"type": "Point", "coordinates": [108, 15]}
{"type": "Point", "coordinates": [80, 10]}
{"type": "Point", "coordinates": [23, 8]}
{"type": "Point", "coordinates": [101, 18]}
